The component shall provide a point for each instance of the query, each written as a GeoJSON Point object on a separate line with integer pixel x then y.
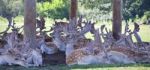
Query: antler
{"type": "Point", "coordinates": [86, 28]}
{"type": "Point", "coordinates": [97, 38]}
{"type": "Point", "coordinates": [137, 36]}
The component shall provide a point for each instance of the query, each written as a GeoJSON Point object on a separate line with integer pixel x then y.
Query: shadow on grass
{"type": "Point", "coordinates": [65, 67]}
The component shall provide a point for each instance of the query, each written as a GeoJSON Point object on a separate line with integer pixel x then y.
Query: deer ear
{"type": "Point", "coordinates": [102, 27]}
{"type": "Point", "coordinates": [10, 51]}
{"type": "Point", "coordinates": [55, 22]}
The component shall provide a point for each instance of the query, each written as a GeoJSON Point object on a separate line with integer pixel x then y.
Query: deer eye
{"type": "Point", "coordinates": [16, 59]}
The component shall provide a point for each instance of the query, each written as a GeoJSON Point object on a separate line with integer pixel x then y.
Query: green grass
{"type": "Point", "coordinates": [144, 29]}
{"type": "Point", "coordinates": [82, 67]}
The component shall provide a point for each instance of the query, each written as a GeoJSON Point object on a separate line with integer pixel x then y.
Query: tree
{"type": "Point", "coordinates": [30, 22]}
{"type": "Point", "coordinates": [132, 8]}
{"type": "Point", "coordinates": [73, 9]}
{"type": "Point", "coordinates": [10, 9]}
{"type": "Point", "coordinates": [117, 19]}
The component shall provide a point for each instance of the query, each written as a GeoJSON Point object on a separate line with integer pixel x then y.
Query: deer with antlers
{"type": "Point", "coordinates": [46, 47]}
{"type": "Point", "coordinates": [124, 46]}
{"type": "Point", "coordinates": [102, 54]}
{"type": "Point", "coordinates": [87, 50]}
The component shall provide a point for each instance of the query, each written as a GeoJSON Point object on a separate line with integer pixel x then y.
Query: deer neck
{"type": "Point", "coordinates": [59, 44]}
{"type": "Point", "coordinates": [69, 49]}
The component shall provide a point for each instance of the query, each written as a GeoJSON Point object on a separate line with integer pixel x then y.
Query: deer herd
{"type": "Point", "coordinates": [70, 38]}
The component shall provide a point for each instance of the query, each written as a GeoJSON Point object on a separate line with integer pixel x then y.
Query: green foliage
{"type": "Point", "coordinates": [10, 8]}
{"type": "Point", "coordinates": [91, 9]}
{"type": "Point", "coordinates": [95, 9]}
{"type": "Point", "coordinates": [2, 20]}
{"type": "Point", "coordinates": [147, 14]}
{"type": "Point", "coordinates": [54, 9]}
{"type": "Point", "coordinates": [19, 19]}
{"type": "Point", "coordinates": [132, 8]}
{"type": "Point", "coordinates": [100, 4]}
{"type": "Point", "coordinates": [145, 17]}
{"type": "Point", "coordinates": [102, 9]}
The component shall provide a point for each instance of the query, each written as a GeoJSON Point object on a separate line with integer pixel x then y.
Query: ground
{"type": "Point", "coordinates": [82, 67]}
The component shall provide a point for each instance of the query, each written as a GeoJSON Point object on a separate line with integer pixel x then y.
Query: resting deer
{"type": "Point", "coordinates": [96, 53]}
{"type": "Point", "coordinates": [11, 39]}
{"type": "Point", "coordinates": [77, 56]}
{"type": "Point", "coordinates": [81, 43]}
{"type": "Point", "coordinates": [58, 39]}
{"type": "Point", "coordinates": [47, 47]}
{"type": "Point", "coordinates": [2, 45]}
{"type": "Point", "coordinates": [124, 49]}
{"type": "Point", "coordinates": [12, 57]}
{"type": "Point", "coordinates": [33, 57]}
{"type": "Point", "coordinates": [10, 60]}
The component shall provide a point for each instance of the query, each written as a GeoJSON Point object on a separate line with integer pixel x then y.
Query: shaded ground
{"type": "Point", "coordinates": [53, 59]}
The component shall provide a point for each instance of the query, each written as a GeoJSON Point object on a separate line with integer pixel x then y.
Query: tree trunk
{"type": "Point", "coordinates": [9, 21]}
{"type": "Point", "coordinates": [73, 9]}
{"type": "Point", "coordinates": [117, 19]}
{"type": "Point", "coordinates": [30, 23]}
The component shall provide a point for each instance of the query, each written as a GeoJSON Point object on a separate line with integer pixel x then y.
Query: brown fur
{"type": "Point", "coordinates": [2, 43]}
{"type": "Point", "coordinates": [78, 54]}
{"type": "Point", "coordinates": [81, 43]}
{"type": "Point", "coordinates": [64, 24]}
{"type": "Point", "coordinates": [75, 55]}
{"type": "Point", "coordinates": [127, 51]}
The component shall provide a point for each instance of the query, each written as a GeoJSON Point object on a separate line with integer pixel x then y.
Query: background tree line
{"type": "Point", "coordinates": [97, 9]}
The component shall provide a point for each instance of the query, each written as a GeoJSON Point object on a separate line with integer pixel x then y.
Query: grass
{"type": "Point", "coordinates": [144, 29]}
{"type": "Point", "coordinates": [82, 67]}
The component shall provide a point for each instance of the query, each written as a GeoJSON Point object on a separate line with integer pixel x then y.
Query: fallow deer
{"type": "Point", "coordinates": [12, 57]}
{"type": "Point", "coordinates": [47, 47]}
{"type": "Point", "coordinates": [33, 57]}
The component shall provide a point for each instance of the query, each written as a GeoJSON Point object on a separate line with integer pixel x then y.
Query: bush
{"type": "Point", "coordinates": [54, 9]}
{"type": "Point", "coordinates": [3, 20]}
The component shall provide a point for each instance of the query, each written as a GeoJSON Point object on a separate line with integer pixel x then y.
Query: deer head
{"type": "Point", "coordinates": [57, 38]}
{"type": "Point", "coordinates": [11, 39]}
